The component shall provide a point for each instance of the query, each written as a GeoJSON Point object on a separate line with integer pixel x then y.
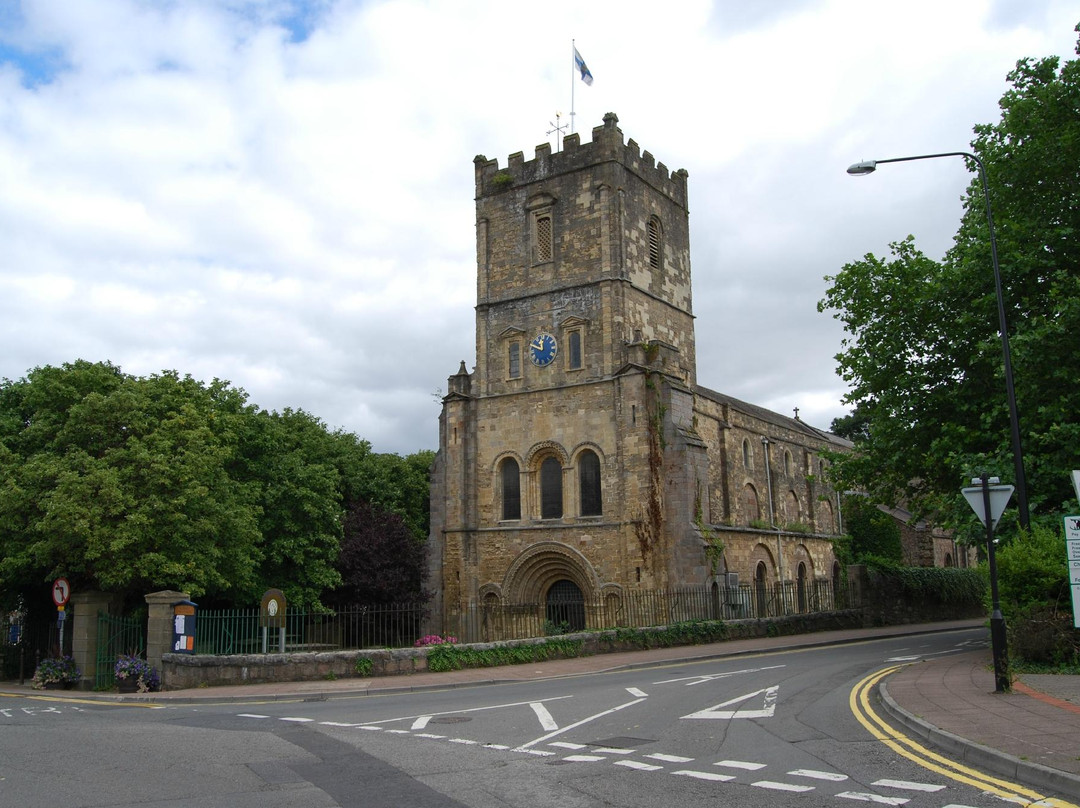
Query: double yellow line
{"type": "Point", "coordinates": [859, 701]}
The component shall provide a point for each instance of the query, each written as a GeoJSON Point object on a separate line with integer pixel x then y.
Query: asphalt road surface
{"type": "Point", "coordinates": [765, 730]}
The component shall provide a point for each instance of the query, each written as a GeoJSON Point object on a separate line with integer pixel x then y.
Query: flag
{"type": "Point", "coordinates": [586, 76]}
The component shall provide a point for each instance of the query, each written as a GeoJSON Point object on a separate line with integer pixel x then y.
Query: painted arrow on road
{"type": "Point", "coordinates": [766, 711]}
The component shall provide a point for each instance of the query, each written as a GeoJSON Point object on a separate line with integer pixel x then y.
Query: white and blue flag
{"type": "Point", "coordinates": [586, 76]}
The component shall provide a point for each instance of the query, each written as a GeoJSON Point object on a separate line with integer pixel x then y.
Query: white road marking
{"type": "Point", "coordinates": [583, 721]}
{"type": "Point", "coordinates": [251, 715]}
{"type": "Point", "coordinates": [669, 758]}
{"type": "Point", "coordinates": [567, 745]}
{"type": "Point", "coordinates": [429, 735]}
{"type": "Point", "coordinates": [633, 691]}
{"type": "Point", "coordinates": [767, 711]}
{"type": "Point", "coordinates": [700, 679]}
{"type": "Point", "coordinates": [774, 786]}
{"type": "Point", "coordinates": [460, 712]}
{"type": "Point", "coordinates": [397, 732]}
{"type": "Point", "coordinates": [464, 741]}
{"type": "Point", "coordinates": [297, 720]}
{"type": "Point", "coordinates": [370, 728]}
{"type": "Point", "coordinates": [905, 784]}
{"type": "Point", "coordinates": [831, 776]}
{"type": "Point", "coordinates": [741, 764]}
{"type": "Point", "coordinates": [335, 724]}
{"type": "Point", "coordinates": [500, 746]}
{"type": "Point", "coordinates": [421, 722]}
{"type": "Point", "coordinates": [637, 764]}
{"type": "Point", "coordinates": [584, 758]}
{"type": "Point", "coordinates": [903, 658]}
{"type": "Point", "coordinates": [719, 778]}
{"type": "Point", "coordinates": [613, 750]}
{"type": "Point", "coordinates": [546, 721]}
{"type": "Point", "coordinates": [537, 752]}
{"type": "Point", "coordinates": [863, 797]}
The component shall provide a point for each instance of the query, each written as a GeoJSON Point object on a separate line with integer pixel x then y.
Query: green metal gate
{"type": "Point", "coordinates": [116, 636]}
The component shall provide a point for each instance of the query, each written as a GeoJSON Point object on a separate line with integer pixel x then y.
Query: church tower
{"type": "Point", "coordinates": [568, 463]}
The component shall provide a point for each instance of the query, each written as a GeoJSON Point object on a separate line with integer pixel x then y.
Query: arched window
{"type": "Point", "coordinates": [543, 238]}
{"type": "Point", "coordinates": [747, 455]}
{"type": "Point", "coordinates": [750, 503]}
{"type": "Point", "coordinates": [787, 463]}
{"type": "Point", "coordinates": [551, 489]}
{"type": "Point", "coordinates": [589, 477]}
{"type": "Point", "coordinates": [510, 479]}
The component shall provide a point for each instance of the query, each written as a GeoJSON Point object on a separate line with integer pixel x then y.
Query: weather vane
{"type": "Point", "coordinates": [558, 128]}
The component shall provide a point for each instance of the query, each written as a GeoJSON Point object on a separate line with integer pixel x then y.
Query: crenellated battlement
{"type": "Point", "coordinates": [607, 146]}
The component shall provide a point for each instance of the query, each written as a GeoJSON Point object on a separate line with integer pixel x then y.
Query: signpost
{"type": "Point", "coordinates": [988, 499]}
{"type": "Point", "coordinates": [61, 591]}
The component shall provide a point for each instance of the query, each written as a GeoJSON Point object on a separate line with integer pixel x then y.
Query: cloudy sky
{"type": "Point", "coordinates": [280, 192]}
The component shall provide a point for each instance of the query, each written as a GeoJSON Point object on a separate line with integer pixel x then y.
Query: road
{"type": "Point", "coordinates": [765, 730]}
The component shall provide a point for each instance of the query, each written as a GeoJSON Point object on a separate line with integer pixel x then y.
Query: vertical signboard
{"type": "Point", "coordinates": [1072, 545]}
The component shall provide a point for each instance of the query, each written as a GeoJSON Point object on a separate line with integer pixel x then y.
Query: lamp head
{"type": "Point", "coordinates": [860, 169]}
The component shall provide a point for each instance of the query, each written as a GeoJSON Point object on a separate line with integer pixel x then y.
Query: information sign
{"type": "Point", "coordinates": [1072, 550]}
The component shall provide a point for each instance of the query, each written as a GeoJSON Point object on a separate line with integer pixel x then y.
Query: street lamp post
{"type": "Point", "coordinates": [868, 167]}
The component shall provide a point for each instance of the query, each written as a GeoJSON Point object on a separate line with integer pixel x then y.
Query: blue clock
{"type": "Point", "coordinates": [542, 350]}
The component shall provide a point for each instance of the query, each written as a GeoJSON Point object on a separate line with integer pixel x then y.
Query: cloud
{"type": "Point", "coordinates": [280, 193]}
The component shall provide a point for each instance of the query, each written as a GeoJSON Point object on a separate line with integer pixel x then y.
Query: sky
{"type": "Point", "coordinates": [279, 193]}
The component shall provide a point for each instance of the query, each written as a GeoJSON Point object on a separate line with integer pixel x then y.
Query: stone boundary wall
{"type": "Point", "coordinates": [181, 671]}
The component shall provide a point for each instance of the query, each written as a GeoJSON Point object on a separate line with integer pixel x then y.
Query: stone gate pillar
{"type": "Point", "coordinates": [159, 624]}
{"type": "Point", "coordinates": [85, 607]}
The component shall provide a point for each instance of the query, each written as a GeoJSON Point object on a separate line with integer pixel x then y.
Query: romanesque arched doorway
{"type": "Point", "coordinates": [565, 606]}
{"type": "Point", "coordinates": [760, 577]}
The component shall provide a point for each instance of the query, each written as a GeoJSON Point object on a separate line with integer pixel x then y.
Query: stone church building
{"type": "Point", "coordinates": [580, 457]}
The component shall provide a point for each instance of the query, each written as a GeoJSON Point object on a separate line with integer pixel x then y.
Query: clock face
{"type": "Point", "coordinates": [542, 350]}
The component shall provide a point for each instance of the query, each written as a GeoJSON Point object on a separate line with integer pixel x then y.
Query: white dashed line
{"type": "Point", "coordinates": [718, 778]}
{"type": "Point", "coordinates": [614, 750]}
{"type": "Point", "coordinates": [877, 798]}
{"type": "Point", "coordinates": [463, 741]}
{"type": "Point", "coordinates": [774, 786]}
{"type": "Point", "coordinates": [252, 715]}
{"type": "Point", "coordinates": [296, 720]}
{"type": "Point", "coordinates": [334, 724]}
{"type": "Point", "coordinates": [370, 728]}
{"type": "Point", "coordinates": [584, 758]}
{"type": "Point", "coordinates": [430, 735]}
{"type": "Point", "coordinates": [814, 775]}
{"type": "Point", "coordinates": [633, 691]}
{"type": "Point", "coordinates": [567, 745]}
{"type": "Point", "coordinates": [907, 785]}
{"type": "Point", "coordinates": [740, 764]}
{"type": "Point", "coordinates": [397, 732]}
{"type": "Point", "coordinates": [537, 752]}
{"type": "Point", "coordinates": [669, 758]}
{"type": "Point", "coordinates": [637, 764]}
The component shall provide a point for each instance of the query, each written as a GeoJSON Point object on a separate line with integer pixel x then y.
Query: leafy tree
{"type": "Point", "coordinates": [923, 356]}
{"type": "Point", "coordinates": [133, 484]}
{"type": "Point", "coordinates": [873, 532]}
{"type": "Point", "coordinates": [381, 561]}
{"type": "Point", "coordinates": [120, 484]}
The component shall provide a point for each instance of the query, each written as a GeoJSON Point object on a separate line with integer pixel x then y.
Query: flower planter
{"type": "Point", "coordinates": [128, 684]}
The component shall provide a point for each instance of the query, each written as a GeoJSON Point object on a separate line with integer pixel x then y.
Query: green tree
{"type": "Point", "coordinates": [121, 484]}
{"type": "Point", "coordinates": [873, 532]}
{"type": "Point", "coordinates": [923, 356]}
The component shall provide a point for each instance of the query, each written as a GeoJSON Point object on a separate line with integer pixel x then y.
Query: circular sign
{"type": "Point", "coordinates": [61, 591]}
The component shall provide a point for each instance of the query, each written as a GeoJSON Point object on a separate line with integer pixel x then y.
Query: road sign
{"type": "Point", "coordinates": [999, 498]}
{"type": "Point", "coordinates": [61, 591]}
{"type": "Point", "coordinates": [1072, 551]}
{"type": "Point", "coordinates": [1076, 483]}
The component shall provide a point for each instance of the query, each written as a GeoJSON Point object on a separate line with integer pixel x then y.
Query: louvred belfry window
{"type": "Point", "coordinates": [656, 243]}
{"type": "Point", "coordinates": [543, 239]}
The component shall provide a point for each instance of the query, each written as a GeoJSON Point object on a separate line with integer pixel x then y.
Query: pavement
{"type": "Point", "coordinates": [1030, 735]}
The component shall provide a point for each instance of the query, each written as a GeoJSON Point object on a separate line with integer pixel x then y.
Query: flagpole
{"type": "Point", "coordinates": [573, 70]}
